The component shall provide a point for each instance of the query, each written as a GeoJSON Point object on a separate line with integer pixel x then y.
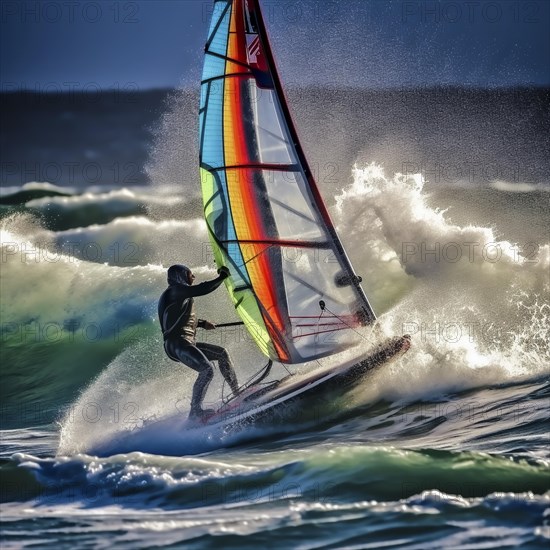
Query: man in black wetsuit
{"type": "Point", "coordinates": [176, 310]}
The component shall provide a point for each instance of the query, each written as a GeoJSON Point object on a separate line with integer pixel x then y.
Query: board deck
{"type": "Point", "coordinates": [261, 399]}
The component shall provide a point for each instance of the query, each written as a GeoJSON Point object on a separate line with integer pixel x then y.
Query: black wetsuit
{"type": "Point", "coordinates": [178, 321]}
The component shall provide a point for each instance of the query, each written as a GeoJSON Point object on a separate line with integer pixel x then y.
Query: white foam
{"type": "Point", "coordinates": [518, 187]}
{"type": "Point", "coordinates": [475, 321]}
{"type": "Point", "coordinates": [138, 240]}
{"type": "Point", "coordinates": [111, 200]}
{"type": "Point", "coordinates": [36, 186]}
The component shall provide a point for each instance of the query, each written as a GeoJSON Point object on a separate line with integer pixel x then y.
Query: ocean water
{"type": "Point", "coordinates": [441, 198]}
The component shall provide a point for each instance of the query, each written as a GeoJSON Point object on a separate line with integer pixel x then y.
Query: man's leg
{"type": "Point", "coordinates": [192, 357]}
{"type": "Point", "coordinates": [219, 354]}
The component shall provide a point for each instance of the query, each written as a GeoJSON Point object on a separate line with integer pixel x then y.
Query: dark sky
{"type": "Point", "coordinates": [78, 44]}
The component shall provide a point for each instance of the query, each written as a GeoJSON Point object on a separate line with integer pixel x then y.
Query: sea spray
{"type": "Point", "coordinates": [476, 319]}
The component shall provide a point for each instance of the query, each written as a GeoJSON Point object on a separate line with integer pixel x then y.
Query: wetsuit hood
{"type": "Point", "coordinates": [178, 275]}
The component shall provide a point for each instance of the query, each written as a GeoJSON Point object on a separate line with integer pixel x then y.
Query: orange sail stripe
{"type": "Point", "coordinates": [247, 215]}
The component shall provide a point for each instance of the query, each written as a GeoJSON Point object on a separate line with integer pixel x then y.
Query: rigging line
{"type": "Point", "coordinates": [229, 257]}
{"type": "Point", "coordinates": [284, 367]}
{"type": "Point", "coordinates": [267, 166]}
{"type": "Point", "coordinates": [217, 27]}
{"type": "Point", "coordinates": [283, 243]}
{"type": "Point", "coordinates": [297, 337]}
{"type": "Point", "coordinates": [312, 288]}
{"type": "Point", "coordinates": [344, 322]}
{"type": "Point", "coordinates": [273, 245]}
{"type": "Point", "coordinates": [259, 254]}
{"type": "Point", "coordinates": [272, 134]}
{"type": "Point", "coordinates": [323, 306]}
{"type": "Point", "coordinates": [248, 383]}
{"type": "Point", "coordinates": [294, 211]}
{"type": "Point", "coordinates": [305, 317]}
{"type": "Point", "coordinates": [316, 324]}
{"type": "Point", "coordinates": [226, 58]}
{"type": "Point", "coordinates": [226, 75]}
{"type": "Point", "coordinates": [203, 127]}
{"type": "Point", "coordinates": [212, 199]}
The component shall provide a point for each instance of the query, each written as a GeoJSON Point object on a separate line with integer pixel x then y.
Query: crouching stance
{"type": "Point", "coordinates": [176, 310]}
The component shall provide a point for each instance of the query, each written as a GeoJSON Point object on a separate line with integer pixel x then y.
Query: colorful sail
{"type": "Point", "coordinates": [291, 281]}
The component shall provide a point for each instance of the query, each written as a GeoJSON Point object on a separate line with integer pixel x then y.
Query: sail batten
{"type": "Point", "coordinates": [265, 216]}
{"type": "Point", "coordinates": [273, 167]}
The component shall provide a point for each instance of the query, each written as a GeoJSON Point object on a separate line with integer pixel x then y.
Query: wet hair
{"type": "Point", "coordinates": [178, 274]}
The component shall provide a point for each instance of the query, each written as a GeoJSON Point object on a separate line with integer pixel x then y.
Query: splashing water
{"type": "Point", "coordinates": [478, 319]}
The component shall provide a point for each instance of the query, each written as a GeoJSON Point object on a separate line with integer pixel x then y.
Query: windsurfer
{"type": "Point", "coordinates": [176, 310]}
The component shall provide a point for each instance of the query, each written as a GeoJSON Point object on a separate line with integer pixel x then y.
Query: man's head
{"type": "Point", "coordinates": [180, 274]}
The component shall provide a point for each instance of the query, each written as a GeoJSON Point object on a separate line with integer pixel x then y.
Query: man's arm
{"type": "Point", "coordinates": [208, 286]}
